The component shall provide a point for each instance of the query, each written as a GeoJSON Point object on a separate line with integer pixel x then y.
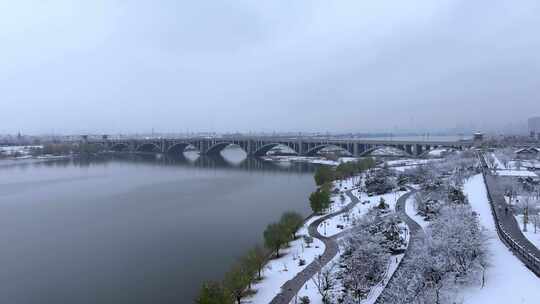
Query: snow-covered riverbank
{"type": "Point", "coordinates": [278, 271]}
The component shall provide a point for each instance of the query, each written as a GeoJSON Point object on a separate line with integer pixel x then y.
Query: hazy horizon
{"type": "Point", "coordinates": [106, 66]}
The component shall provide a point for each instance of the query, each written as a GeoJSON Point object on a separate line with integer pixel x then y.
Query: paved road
{"type": "Point", "coordinates": [417, 238]}
{"type": "Point", "coordinates": [507, 226]}
{"type": "Point", "coordinates": [291, 287]}
{"type": "Point", "coordinates": [527, 251]}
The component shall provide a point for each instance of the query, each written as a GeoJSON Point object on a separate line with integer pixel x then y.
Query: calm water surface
{"type": "Point", "coordinates": [135, 230]}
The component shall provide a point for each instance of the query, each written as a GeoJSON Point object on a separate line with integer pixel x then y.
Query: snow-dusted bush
{"type": "Point", "coordinates": [363, 265]}
{"type": "Point", "coordinates": [380, 181]}
{"type": "Point", "coordinates": [455, 234]}
{"type": "Point", "coordinates": [366, 254]}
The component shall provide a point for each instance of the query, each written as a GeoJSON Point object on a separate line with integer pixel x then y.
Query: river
{"type": "Point", "coordinates": [131, 229]}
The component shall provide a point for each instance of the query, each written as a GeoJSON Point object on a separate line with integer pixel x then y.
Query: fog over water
{"type": "Point", "coordinates": [134, 230]}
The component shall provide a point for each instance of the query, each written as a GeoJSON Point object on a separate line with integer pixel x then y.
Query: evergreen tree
{"type": "Point", "coordinates": [275, 236]}
{"type": "Point", "coordinates": [319, 201]}
{"type": "Point", "coordinates": [382, 204]}
{"type": "Point", "coordinates": [324, 174]}
{"type": "Point", "coordinates": [292, 222]}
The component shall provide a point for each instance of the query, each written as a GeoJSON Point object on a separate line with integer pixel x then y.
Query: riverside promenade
{"type": "Point", "coordinates": [290, 289]}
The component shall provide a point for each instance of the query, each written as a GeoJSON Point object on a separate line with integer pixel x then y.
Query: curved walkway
{"type": "Point", "coordinates": [291, 287]}
{"type": "Point", "coordinates": [417, 238]}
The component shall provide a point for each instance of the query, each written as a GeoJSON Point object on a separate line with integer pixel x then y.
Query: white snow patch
{"type": "Point", "coordinates": [498, 163]}
{"type": "Point", "coordinates": [529, 234]}
{"type": "Point", "coordinates": [412, 211]}
{"type": "Point", "coordinates": [347, 220]}
{"type": "Point", "coordinates": [507, 280]}
{"type": "Point", "coordinates": [523, 173]}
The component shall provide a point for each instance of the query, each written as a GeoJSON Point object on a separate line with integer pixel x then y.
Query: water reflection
{"type": "Point", "coordinates": [136, 228]}
{"type": "Point", "coordinates": [229, 159]}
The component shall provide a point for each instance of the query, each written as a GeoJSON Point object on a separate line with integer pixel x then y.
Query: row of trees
{"type": "Point", "coordinates": [66, 149]}
{"type": "Point", "coordinates": [237, 281]}
{"type": "Point", "coordinates": [327, 174]}
{"type": "Point", "coordinates": [279, 234]}
{"type": "Point", "coordinates": [249, 267]}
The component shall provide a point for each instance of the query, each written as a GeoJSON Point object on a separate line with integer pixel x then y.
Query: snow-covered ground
{"type": "Point", "coordinates": [388, 151]}
{"type": "Point", "coordinates": [309, 159]}
{"type": "Point", "coordinates": [523, 173]}
{"type": "Point", "coordinates": [411, 211]}
{"type": "Point", "coordinates": [347, 220]}
{"type": "Point", "coordinates": [516, 164]}
{"type": "Point", "coordinates": [330, 226]}
{"type": "Point", "coordinates": [529, 234]}
{"type": "Point", "coordinates": [530, 163]}
{"type": "Point", "coordinates": [498, 163]}
{"type": "Point", "coordinates": [18, 150]}
{"type": "Point", "coordinates": [507, 280]}
{"type": "Point", "coordinates": [405, 164]}
{"type": "Point", "coordinates": [279, 271]}
{"type": "Point", "coordinates": [310, 289]}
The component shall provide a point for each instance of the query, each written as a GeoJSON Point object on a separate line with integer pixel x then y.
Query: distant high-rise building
{"type": "Point", "coordinates": [534, 126]}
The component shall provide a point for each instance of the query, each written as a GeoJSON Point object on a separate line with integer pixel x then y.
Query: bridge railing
{"type": "Point", "coordinates": [527, 257]}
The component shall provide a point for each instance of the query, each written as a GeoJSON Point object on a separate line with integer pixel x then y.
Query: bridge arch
{"type": "Point", "coordinates": [384, 150]}
{"type": "Point", "coordinates": [313, 151]}
{"type": "Point", "coordinates": [262, 151]}
{"type": "Point", "coordinates": [148, 148]}
{"type": "Point", "coordinates": [178, 148]}
{"type": "Point", "coordinates": [216, 148]}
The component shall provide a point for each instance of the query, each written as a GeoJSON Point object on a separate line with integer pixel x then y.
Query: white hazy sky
{"type": "Point", "coordinates": [239, 65]}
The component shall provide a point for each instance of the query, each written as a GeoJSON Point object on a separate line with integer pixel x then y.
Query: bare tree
{"type": "Point", "coordinates": [325, 280]}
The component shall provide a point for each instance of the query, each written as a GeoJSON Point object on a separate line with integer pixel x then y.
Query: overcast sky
{"type": "Point", "coordinates": [252, 65]}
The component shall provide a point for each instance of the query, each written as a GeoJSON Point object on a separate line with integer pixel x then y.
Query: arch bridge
{"type": "Point", "coordinates": [259, 146]}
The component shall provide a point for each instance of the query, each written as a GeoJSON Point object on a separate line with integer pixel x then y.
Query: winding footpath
{"type": "Point", "coordinates": [416, 239]}
{"type": "Point", "coordinates": [291, 287]}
